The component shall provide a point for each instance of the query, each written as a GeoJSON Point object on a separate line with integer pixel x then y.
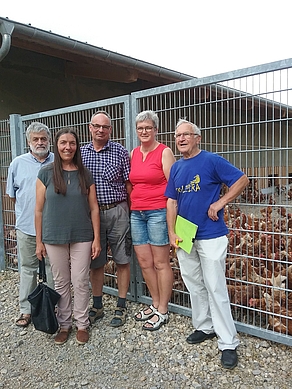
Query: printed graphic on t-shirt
{"type": "Point", "coordinates": [193, 186]}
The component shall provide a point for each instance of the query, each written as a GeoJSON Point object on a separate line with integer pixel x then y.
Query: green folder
{"type": "Point", "coordinates": [186, 230]}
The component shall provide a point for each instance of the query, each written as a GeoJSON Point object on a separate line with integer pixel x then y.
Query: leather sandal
{"type": "Point", "coordinates": [95, 314]}
{"type": "Point", "coordinates": [145, 316]}
{"type": "Point", "coordinates": [155, 325]}
{"type": "Point", "coordinates": [25, 319]}
{"type": "Point", "coordinates": [119, 318]}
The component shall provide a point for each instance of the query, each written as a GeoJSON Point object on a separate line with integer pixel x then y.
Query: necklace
{"type": "Point", "coordinates": [68, 178]}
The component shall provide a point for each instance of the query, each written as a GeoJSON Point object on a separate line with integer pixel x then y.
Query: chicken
{"type": "Point", "coordinates": [281, 321]}
{"type": "Point", "coordinates": [242, 294]}
{"type": "Point", "coordinates": [260, 303]}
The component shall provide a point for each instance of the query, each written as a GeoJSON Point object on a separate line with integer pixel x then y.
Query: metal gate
{"type": "Point", "coordinates": [245, 116]}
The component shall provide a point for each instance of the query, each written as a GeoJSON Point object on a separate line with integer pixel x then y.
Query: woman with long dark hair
{"type": "Point", "coordinates": [68, 230]}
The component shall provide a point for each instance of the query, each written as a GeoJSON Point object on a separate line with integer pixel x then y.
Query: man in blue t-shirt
{"type": "Point", "coordinates": [21, 188]}
{"type": "Point", "coordinates": [193, 192]}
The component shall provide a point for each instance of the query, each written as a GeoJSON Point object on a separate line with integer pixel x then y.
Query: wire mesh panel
{"type": "Point", "coordinates": [259, 265]}
{"type": "Point", "coordinates": [78, 117]}
{"type": "Point", "coordinates": [245, 116]}
{"type": "Point", "coordinates": [8, 217]}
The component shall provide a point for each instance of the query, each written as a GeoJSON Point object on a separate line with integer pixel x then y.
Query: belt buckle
{"type": "Point", "coordinates": [106, 207]}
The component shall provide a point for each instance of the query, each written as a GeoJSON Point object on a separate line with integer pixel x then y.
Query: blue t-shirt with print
{"type": "Point", "coordinates": [196, 183]}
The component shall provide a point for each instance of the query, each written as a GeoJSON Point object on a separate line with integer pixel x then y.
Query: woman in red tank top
{"type": "Point", "coordinates": [150, 167]}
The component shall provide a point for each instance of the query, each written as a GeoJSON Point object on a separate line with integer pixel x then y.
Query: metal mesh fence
{"type": "Point", "coordinates": [8, 216]}
{"type": "Point", "coordinates": [245, 116]}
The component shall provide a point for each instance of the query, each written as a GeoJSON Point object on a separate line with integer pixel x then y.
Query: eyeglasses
{"type": "Point", "coordinates": [99, 126]}
{"type": "Point", "coordinates": [186, 135]}
{"type": "Point", "coordinates": [147, 129]}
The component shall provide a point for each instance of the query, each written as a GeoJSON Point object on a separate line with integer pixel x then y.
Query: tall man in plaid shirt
{"type": "Point", "coordinates": [110, 165]}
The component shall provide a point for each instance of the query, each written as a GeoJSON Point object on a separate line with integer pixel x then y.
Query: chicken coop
{"type": "Point", "coordinates": [246, 117]}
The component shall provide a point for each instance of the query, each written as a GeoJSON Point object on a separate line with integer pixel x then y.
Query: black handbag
{"type": "Point", "coordinates": [43, 301]}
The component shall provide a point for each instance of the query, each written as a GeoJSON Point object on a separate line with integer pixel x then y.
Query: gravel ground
{"type": "Point", "coordinates": [127, 357]}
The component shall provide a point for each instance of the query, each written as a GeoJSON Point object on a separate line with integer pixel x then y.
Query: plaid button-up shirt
{"type": "Point", "coordinates": [110, 168]}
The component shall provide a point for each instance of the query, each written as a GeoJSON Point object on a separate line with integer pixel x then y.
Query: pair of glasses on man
{"type": "Point", "coordinates": [186, 135]}
{"type": "Point", "coordinates": [100, 126]}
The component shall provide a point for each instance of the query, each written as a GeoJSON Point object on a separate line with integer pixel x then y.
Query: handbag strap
{"type": "Point", "coordinates": [42, 270]}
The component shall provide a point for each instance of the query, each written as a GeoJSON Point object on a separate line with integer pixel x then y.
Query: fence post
{"type": "Point", "coordinates": [2, 250]}
{"type": "Point", "coordinates": [16, 139]}
{"type": "Point", "coordinates": [16, 135]}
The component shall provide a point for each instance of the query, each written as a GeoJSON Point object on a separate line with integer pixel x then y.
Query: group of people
{"type": "Point", "coordinates": [72, 204]}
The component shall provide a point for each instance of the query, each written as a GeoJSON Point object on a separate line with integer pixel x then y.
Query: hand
{"type": "Point", "coordinates": [40, 251]}
{"type": "Point", "coordinates": [95, 249]}
{"type": "Point", "coordinates": [213, 211]}
{"type": "Point", "coordinates": [174, 241]}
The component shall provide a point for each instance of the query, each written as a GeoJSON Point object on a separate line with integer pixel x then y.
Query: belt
{"type": "Point", "coordinates": [105, 207]}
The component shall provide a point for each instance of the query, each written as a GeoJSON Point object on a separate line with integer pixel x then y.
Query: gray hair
{"type": "Point", "coordinates": [194, 126]}
{"type": "Point", "coordinates": [148, 115]}
{"type": "Point", "coordinates": [104, 113]}
{"type": "Point", "coordinates": [36, 127]}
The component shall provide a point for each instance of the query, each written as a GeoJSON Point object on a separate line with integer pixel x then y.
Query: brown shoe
{"type": "Point", "coordinates": [82, 336]}
{"type": "Point", "coordinates": [62, 335]}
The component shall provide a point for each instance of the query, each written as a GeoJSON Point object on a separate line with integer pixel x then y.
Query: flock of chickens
{"type": "Point", "coordinates": [258, 265]}
{"type": "Point", "coordinates": [259, 262]}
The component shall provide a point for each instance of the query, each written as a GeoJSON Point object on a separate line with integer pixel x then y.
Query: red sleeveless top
{"type": "Point", "coordinates": [148, 180]}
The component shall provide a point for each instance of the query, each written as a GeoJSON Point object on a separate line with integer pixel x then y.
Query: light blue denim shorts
{"type": "Point", "coordinates": [149, 227]}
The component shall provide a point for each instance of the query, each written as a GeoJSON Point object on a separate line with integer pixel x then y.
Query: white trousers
{"type": "Point", "coordinates": [203, 272]}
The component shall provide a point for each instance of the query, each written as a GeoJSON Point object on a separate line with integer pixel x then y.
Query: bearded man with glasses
{"type": "Point", "coordinates": [21, 188]}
